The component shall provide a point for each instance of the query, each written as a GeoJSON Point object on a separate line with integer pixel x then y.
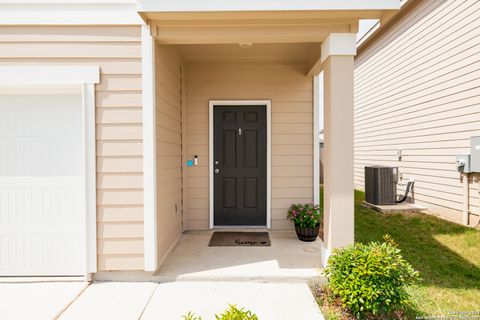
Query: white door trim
{"type": "Point", "coordinates": [26, 79]}
{"type": "Point", "coordinates": [233, 103]}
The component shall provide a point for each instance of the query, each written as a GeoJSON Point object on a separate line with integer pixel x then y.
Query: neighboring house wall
{"type": "Point", "coordinates": [117, 50]}
{"type": "Point", "coordinates": [417, 90]}
{"type": "Point", "coordinates": [291, 93]}
{"type": "Point", "coordinates": [169, 148]}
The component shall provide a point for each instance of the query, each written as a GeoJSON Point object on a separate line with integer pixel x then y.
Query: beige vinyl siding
{"type": "Point", "coordinates": [117, 50]}
{"type": "Point", "coordinates": [292, 125]}
{"type": "Point", "coordinates": [417, 89]}
{"type": "Point", "coordinates": [169, 148]}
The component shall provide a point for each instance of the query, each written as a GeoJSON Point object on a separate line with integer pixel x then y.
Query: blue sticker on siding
{"type": "Point", "coordinates": [190, 163]}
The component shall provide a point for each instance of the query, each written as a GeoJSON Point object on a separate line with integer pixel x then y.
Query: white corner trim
{"type": "Point", "coordinates": [316, 140]}
{"type": "Point", "coordinates": [339, 44]}
{"type": "Point", "coordinates": [90, 174]}
{"type": "Point", "coordinates": [324, 253]}
{"type": "Point", "coordinates": [149, 151]}
{"type": "Point", "coordinates": [68, 12]}
{"type": "Point", "coordinates": [48, 75]}
{"type": "Point", "coordinates": [268, 106]}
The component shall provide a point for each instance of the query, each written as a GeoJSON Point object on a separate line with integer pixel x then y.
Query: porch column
{"type": "Point", "coordinates": [338, 52]}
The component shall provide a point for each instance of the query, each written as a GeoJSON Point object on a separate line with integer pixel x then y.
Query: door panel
{"type": "Point", "coordinates": [240, 163]}
{"type": "Point", "coordinates": [229, 149]}
{"type": "Point", "coordinates": [250, 193]}
{"type": "Point", "coordinates": [251, 150]}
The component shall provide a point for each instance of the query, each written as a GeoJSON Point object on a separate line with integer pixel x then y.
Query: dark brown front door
{"type": "Point", "coordinates": [240, 166]}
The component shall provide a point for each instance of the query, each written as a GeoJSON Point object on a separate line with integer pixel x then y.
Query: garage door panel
{"type": "Point", "coordinates": [42, 201]}
{"type": "Point", "coordinates": [40, 135]}
{"type": "Point", "coordinates": [36, 254]}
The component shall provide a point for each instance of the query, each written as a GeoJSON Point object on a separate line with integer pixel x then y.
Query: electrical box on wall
{"type": "Point", "coordinates": [475, 155]}
{"type": "Point", "coordinates": [463, 163]}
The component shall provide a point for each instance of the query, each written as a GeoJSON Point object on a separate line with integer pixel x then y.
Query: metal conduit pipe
{"type": "Point", "coordinates": [478, 212]}
{"type": "Point", "coordinates": [407, 190]}
{"type": "Point", "coordinates": [478, 181]}
{"type": "Point", "coordinates": [466, 197]}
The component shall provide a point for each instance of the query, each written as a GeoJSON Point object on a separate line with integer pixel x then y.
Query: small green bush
{"type": "Point", "coordinates": [191, 316]}
{"type": "Point", "coordinates": [232, 313]}
{"type": "Point", "coordinates": [370, 278]}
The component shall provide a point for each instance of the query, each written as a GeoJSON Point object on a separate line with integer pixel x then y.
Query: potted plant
{"type": "Point", "coordinates": [308, 219]}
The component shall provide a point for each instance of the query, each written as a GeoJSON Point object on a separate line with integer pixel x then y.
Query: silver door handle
{"type": "Point", "coordinates": [217, 170]}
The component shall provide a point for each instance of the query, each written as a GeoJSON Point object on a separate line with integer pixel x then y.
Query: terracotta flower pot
{"type": "Point", "coordinates": [307, 233]}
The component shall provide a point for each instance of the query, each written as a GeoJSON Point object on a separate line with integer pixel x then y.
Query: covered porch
{"type": "Point", "coordinates": [206, 66]}
{"type": "Point", "coordinates": [287, 259]}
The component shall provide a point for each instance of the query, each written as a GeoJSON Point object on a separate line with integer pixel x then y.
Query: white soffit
{"type": "Point", "coordinates": [264, 5]}
{"type": "Point", "coordinates": [69, 12]}
{"type": "Point", "coordinates": [339, 44]}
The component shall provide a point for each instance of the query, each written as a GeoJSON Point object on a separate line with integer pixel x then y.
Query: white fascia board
{"type": "Point", "coordinates": [48, 75]}
{"type": "Point", "coordinates": [368, 34]}
{"type": "Point", "coordinates": [339, 44]}
{"type": "Point", "coordinates": [69, 12]}
{"type": "Point", "coordinates": [263, 5]}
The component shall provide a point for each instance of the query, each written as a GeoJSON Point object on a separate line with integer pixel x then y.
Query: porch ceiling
{"type": "Point", "coordinates": [274, 35]}
{"type": "Point", "coordinates": [258, 52]}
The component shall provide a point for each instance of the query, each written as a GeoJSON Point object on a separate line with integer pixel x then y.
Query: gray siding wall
{"type": "Point", "coordinates": [417, 89]}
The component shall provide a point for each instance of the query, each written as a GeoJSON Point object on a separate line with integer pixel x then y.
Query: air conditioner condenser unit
{"type": "Point", "coordinates": [381, 185]}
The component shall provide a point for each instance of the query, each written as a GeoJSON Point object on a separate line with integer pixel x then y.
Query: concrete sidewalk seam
{"type": "Point", "coordinates": [148, 301]}
{"type": "Point", "coordinates": [59, 314]}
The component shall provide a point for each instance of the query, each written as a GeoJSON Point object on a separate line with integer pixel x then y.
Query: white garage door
{"type": "Point", "coordinates": [42, 219]}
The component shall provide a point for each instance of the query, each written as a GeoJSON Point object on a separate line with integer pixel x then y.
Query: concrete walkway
{"type": "Point", "coordinates": [112, 300]}
{"type": "Point", "coordinates": [39, 301]}
{"type": "Point", "coordinates": [269, 281]}
{"type": "Point", "coordinates": [169, 301]}
{"type": "Point", "coordinates": [269, 301]}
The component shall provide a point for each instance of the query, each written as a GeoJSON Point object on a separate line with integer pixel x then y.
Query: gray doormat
{"type": "Point", "coordinates": [239, 239]}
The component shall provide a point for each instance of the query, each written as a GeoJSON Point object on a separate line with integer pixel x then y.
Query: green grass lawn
{"type": "Point", "coordinates": [446, 254]}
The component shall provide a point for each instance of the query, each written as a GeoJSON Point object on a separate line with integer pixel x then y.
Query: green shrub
{"type": "Point", "coordinates": [232, 313]}
{"type": "Point", "coordinates": [370, 278]}
{"type": "Point", "coordinates": [191, 316]}
{"type": "Point", "coordinates": [305, 214]}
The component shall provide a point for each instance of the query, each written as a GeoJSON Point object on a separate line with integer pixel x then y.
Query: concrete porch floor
{"type": "Point", "coordinates": [288, 259]}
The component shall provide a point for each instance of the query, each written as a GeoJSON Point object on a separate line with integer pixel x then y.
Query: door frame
{"type": "Point", "coordinates": [236, 103]}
